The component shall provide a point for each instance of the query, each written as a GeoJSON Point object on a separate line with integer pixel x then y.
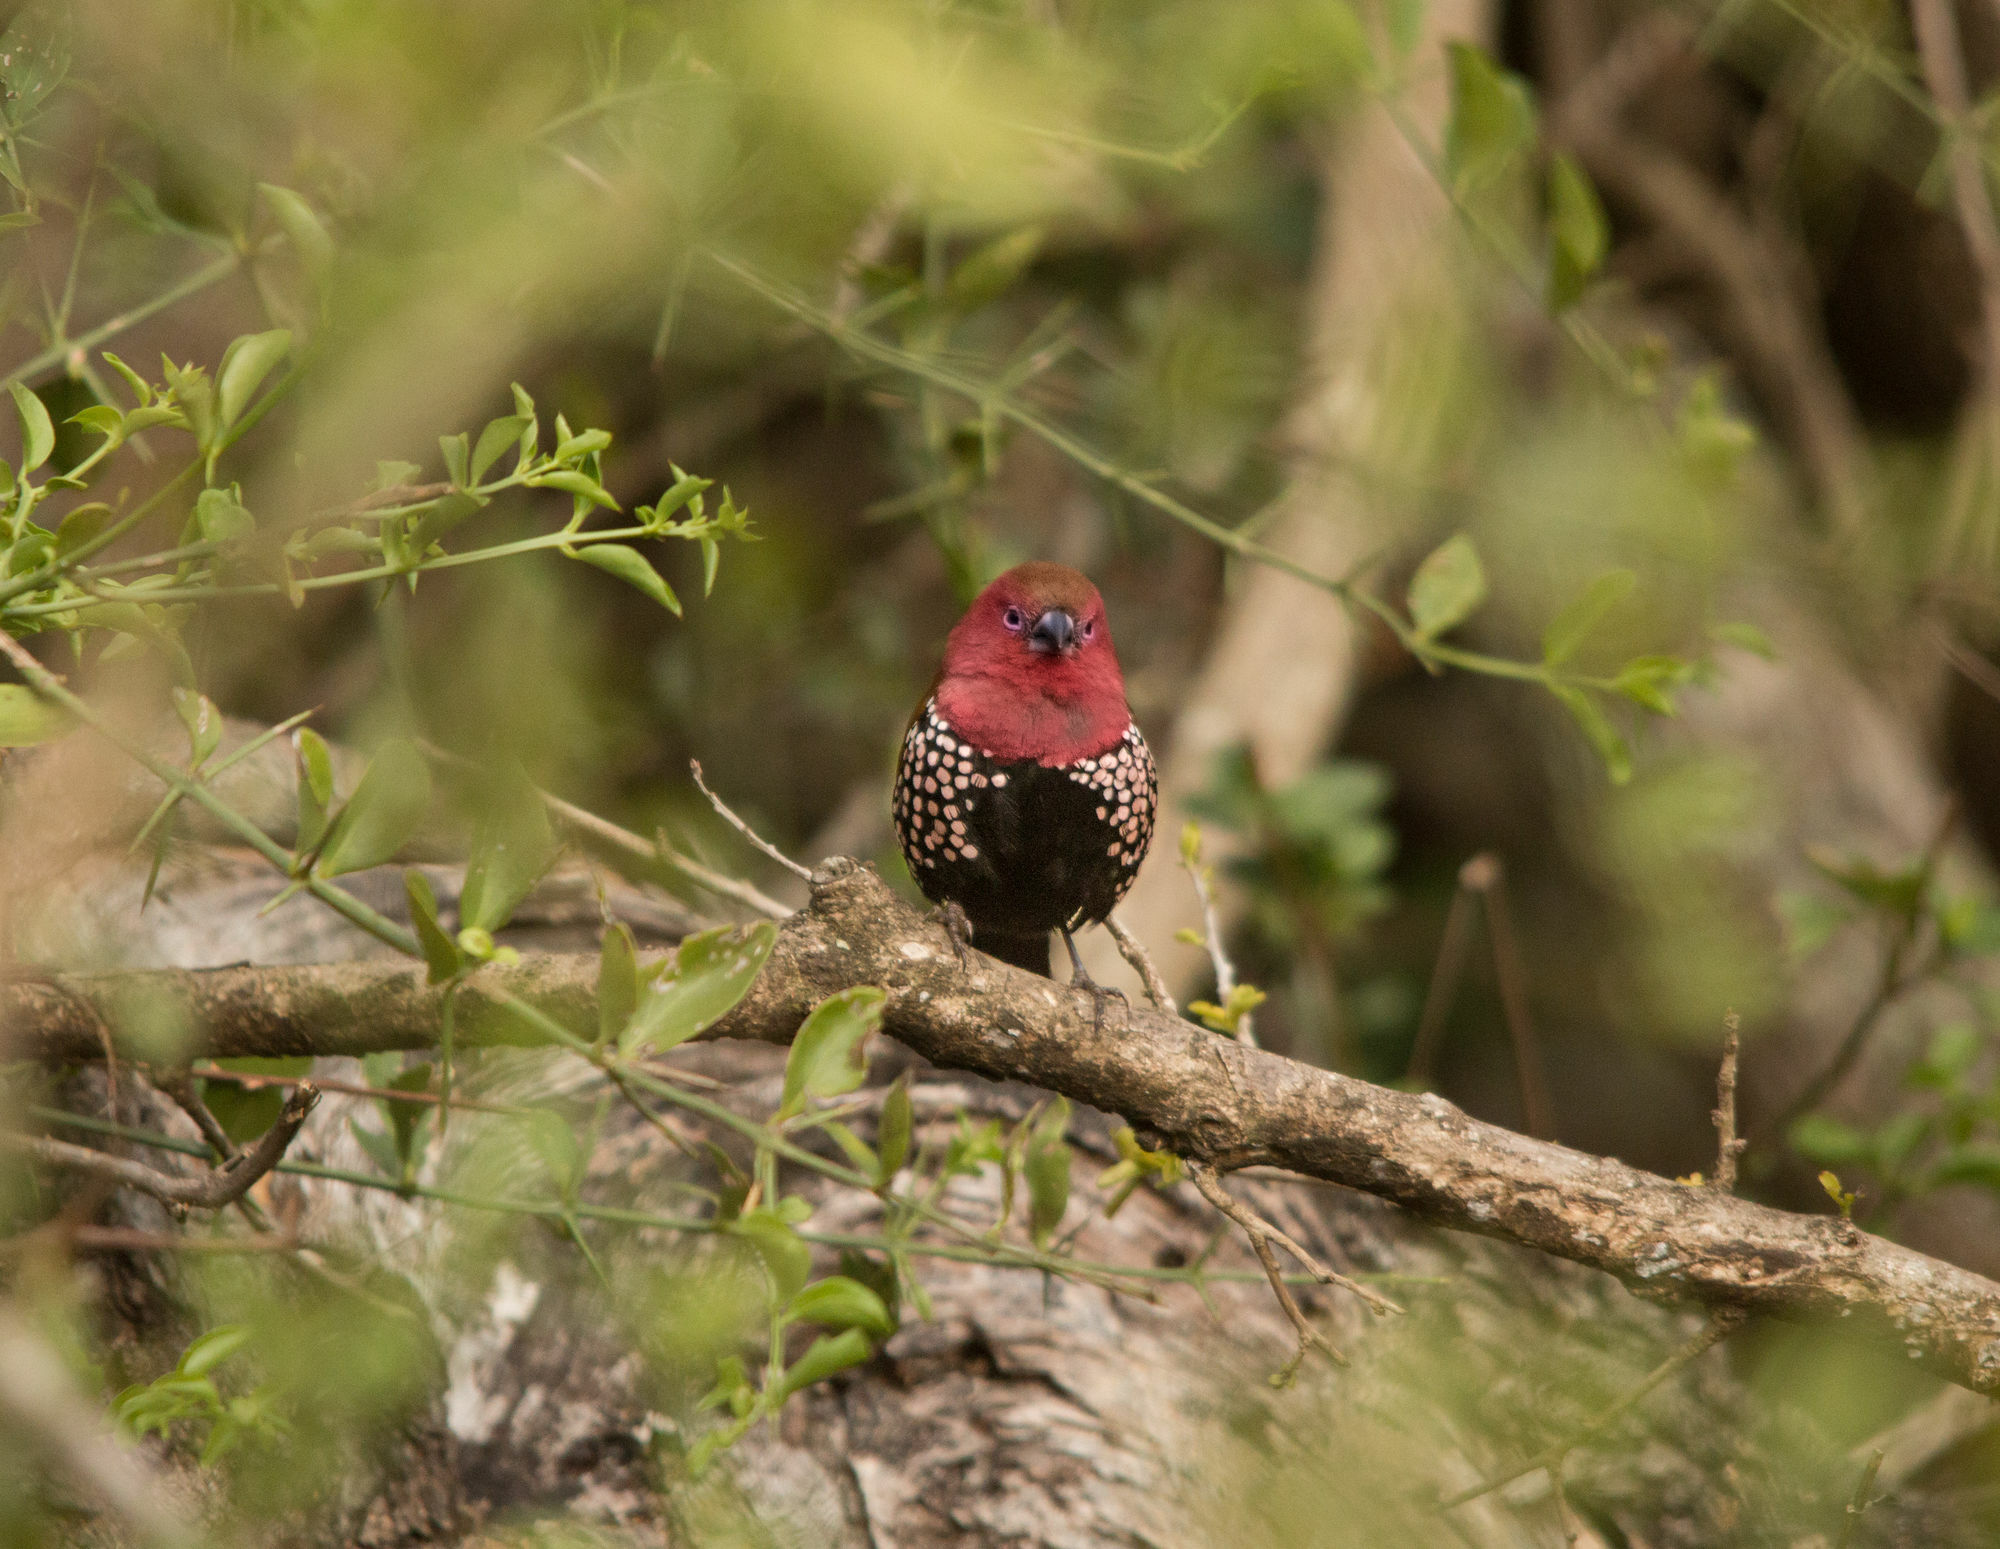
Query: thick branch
{"type": "Point", "coordinates": [1207, 1097]}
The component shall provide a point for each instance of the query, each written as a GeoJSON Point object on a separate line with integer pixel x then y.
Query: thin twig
{"type": "Point", "coordinates": [1895, 977]}
{"type": "Point", "coordinates": [1723, 1322]}
{"type": "Point", "coordinates": [1133, 950]}
{"type": "Point", "coordinates": [1859, 1502]}
{"type": "Point", "coordinates": [1445, 974]}
{"type": "Point", "coordinates": [179, 1085]}
{"type": "Point", "coordinates": [220, 1186]}
{"type": "Point", "coordinates": [1572, 1530]}
{"type": "Point", "coordinates": [1728, 1147]}
{"type": "Point", "coordinates": [1483, 873]}
{"type": "Point", "coordinates": [1264, 1239]}
{"type": "Point", "coordinates": [1211, 926]}
{"type": "Point", "coordinates": [743, 828]}
{"type": "Point", "coordinates": [124, 1239]}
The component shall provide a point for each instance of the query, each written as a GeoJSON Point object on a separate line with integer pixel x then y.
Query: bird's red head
{"type": "Point", "coordinates": [1029, 672]}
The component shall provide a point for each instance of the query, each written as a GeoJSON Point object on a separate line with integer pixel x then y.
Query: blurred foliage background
{"type": "Point", "coordinates": [1700, 361]}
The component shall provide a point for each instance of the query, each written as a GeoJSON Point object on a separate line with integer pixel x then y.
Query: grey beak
{"type": "Point", "coordinates": [1054, 633]}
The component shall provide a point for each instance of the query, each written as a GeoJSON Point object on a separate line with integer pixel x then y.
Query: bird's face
{"type": "Point", "coordinates": [1040, 618]}
{"type": "Point", "coordinates": [1048, 628]}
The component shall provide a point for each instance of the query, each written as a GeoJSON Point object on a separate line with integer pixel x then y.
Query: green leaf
{"type": "Point", "coordinates": [382, 814]}
{"type": "Point", "coordinates": [570, 482]}
{"type": "Point", "coordinates": [245, 364]}
{"type": "Point", "coordinates": [26, 719]}
{"type": "Point", "coordinates": [445, 513]}
{"type": "Point", "coordinates": [1713, 440]}
{"type": "Point", "coordinates": [220, 517]}
{"type": "Point", "coordinates": [1579, 235]}
{"type": "Point", "coordinates": [825, 1060]}
{"type": "Point", "coordinates": [826, 1355]}
{"type": "Point", "coordinates": [213, 1348]}
{"type": "Point", "coordinates": [1819, 1138]}
{"type": "Point", "coordinates": [440, 951]}
{"type": "Point", "coordinates": [989, 272]}
{"type": "Point", "coordinates": [1492, 119]}
{"type": "Point", "coordinates": [457, 458]}
{"type": "Point", "coordinates": [1953, 1050]}
{"type": "Point", "coordinates": [494, 442]}
{"type": "Point", "coordinates": [512, 846]}
{"type": "Point", "coordinates": [303, 229]}
{"type": "Point", "coordinates": [142, 390]}
{"type": "Point", "coordinates": [201, 719]}
{"type": "Point", "coordinates": [102, 418]}
{"type": "Point", "coordinates": [1648, 681]}
{"type": "Point", "coordinates": [1570, 628]}
{"type": "Point", "coordinates": [1047, 1169]}
{"type": "Point", "coordinates": [1745, 637]}
{"type": "Point", "coordinates": [38, 434]}
{"type": "Point", "coordinates": [1977, 1163]}
{"type": "Point", "coordinates": [1604, 737]}
{"type": "Point", "coordinates": [617, 981]}
{"type": "Point", "coordinates": [315, 766]}
{"type": "Point", "coordinates": [1447, 587]}
{"type": "Point", "coordinates": [581, 445]}
{"type": "Point", "coordinates": [82, 525]}
{"type": "Point", "coordinates": [1898, 893]}
{"type": "Point", "coordinates": [778, 1243]}
{"type": "Point", "coordinates": [709, 974]}
{"type": "Point", "coordinates": [630, 566]}
{"type": "Point", "coordinates": [892, 1133]}
{"type": "Point", "coordinates": [839, 1302]}
{"type": "Point", "coordinates": [1810, 920]}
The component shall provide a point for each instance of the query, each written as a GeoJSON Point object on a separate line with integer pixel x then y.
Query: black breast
{"type": "Point", "coordinates": [1020, 846]}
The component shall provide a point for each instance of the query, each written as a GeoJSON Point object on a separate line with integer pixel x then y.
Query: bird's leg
{"type": "Point", "coordinates": [1080, 979]}
{"type": "Point", "coordinates": [958, 929]}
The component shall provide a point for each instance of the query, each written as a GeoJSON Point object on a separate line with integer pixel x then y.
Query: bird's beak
{"type": "Point", "coordinates": [1054, 634]}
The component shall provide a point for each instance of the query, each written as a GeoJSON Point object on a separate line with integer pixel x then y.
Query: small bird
{"type": "Point", "coordinates": [1025, 795]}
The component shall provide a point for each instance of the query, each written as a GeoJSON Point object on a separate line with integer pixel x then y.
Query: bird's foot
{"type": "Point", "coordinates": [957, 929]}
{"type": "Point", "coordinates": [1079, 979]}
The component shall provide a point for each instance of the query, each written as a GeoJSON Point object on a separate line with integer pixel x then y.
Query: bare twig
{"type": "Point", "coordinates": [1572, 1530]}
{"type": "Point", "coordinates": [1211, 926]}
{"type": "Point", "coordinates": [1133, 950]}
{"type": "Point", "coordinates": [1259, 1233]}
{"type": "Point", "coordinates": [221, 1186]}
{"type": "Point", "coordinates": [1484, 875]}
{"type": "Point", "coordinates": [1445, 974]}
{"type": "Point", "coordinates": [1896, 976]}
{"type": "Point", "coordinates": [1723, 1322]}
{"type": "Point", "coordinates": [1859, 1502]}
{"type": "Point", "coordinates": [1939, 50]}
{"type": "Point", "coordinates": [1728, 1147]}
{"type": "Point", "coordinates": [124, 1239]}
{"type": "Point", "coordinates": [743, 828]}
{"type": "Point", "coordinates": [179, 1085]}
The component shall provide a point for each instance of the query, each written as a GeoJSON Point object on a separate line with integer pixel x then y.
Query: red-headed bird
{"type": "Point", "coordinates": [1025, 795]}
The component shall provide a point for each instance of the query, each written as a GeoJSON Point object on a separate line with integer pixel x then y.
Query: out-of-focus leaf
{"type": "Point", "coordinates": [839, 1302]}
{"type": "Point", "coordinates": [512, 846]}
{"type": "Point", "coordinates": [1448, 586]}
{"type": "Point", "coordinates": [1579, 235]}
{"type": "Point", "coordinates": [1976, 1163]}
{"type": "Point", "coordinates": [1047, 1168]}
{"type": "Point", "coordinates": [495, 441]}
{"type": "Point", "coordinates": [315, 764]}
{"type": "Point", "coordinates": [1899, 893]}
{"type": "Point", "coordinates": [1648, 681]}
{"type": "Point", "coordinates": [826, 1355]}
{"type": "Point", "coordinates": [440, 951]}
{"type": "Point", "coordinates": [570, 482]}
{"type": "Point", "coordinates": [1570, 628]}
{"type": "Point", "coordinates": [710, 973]}
{"type": "Point", "coordinates": [38, 433]}
{"type": "Point", "coordinates": [220, 516]}
{"type": "Point", "coordinates": [1604, 737]}
{"type": "Point", "coordinates": [989, 272]}
{"type": "Point", "coordinates": [1492, 119]}
{"type": "Point", "coordinates": [630, 566]}
{"type": "Point", "coordinates": [1745, 637]}
{"type": "Point", "coordinates": [382, 814]}
{"type": "Point", "coordinates": [213, 1348]}
{"type": "Point", "coordinates": [303, 229]}
{"type": "Point", "coordinates": [245, 364]}
{"type": "Point", "coordinates": [892, 1134]}
{"type": "Point", "coordinates": [26, 719]}
{"type": "Point", "coordinates": [778, 1243]}
{"type": "Point", "coordinates": [1822, 1139]}
{"type": "Point", "coordinates": [825, 1060]}
{"type": "Point", "coordinates": [81, 526]}
{"type": "Point", "coordinates": [617, 981]}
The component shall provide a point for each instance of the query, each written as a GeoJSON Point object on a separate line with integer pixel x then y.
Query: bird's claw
{"type": "Point", "coordinates": [1099, 994]}
{"type": "Point", "coordinates": [957, 929]}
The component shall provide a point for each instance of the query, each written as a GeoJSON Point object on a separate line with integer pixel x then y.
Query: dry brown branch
{"type": "Point", "coordinates": [1133, 950]}
{"type": "Point", "coordinates": [1254, 1225]}
{"type": "Point", "coordinates": [175, 1081]}
{"type": "Point", "coordinates": [212, 1190]}
{"type": "Point", "coordinates": [1859, 1502]}
{"type": "Point", "coordinates": [1722, 1323]}
{"type": "Point", "coordinates": [1728, 1147]}
{"type": "Point", "coordinates": [743, 828]}
{"type": "Point", "coordinates": [1261, 1236]}
{"type": "Point", "coordinates": [1939, 50]}
{"type": "Point", "coordinates": [1208, 1099]}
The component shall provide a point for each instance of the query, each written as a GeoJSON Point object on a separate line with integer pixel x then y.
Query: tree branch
{"type": "Point", "coordinates": [1208, 1098]}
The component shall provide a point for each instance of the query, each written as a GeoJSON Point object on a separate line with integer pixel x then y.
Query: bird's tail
{"type": "Point", "coordinates": [1024, 949]}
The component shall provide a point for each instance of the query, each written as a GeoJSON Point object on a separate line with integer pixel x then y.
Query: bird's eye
{"type": "Point", "coordinates": [1013, 618]}
{"type": "Point", "coordinates": [1090, 629]}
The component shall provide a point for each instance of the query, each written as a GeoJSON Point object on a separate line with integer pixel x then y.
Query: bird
{"type": "Point", "coordinates": [1025, 795]}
